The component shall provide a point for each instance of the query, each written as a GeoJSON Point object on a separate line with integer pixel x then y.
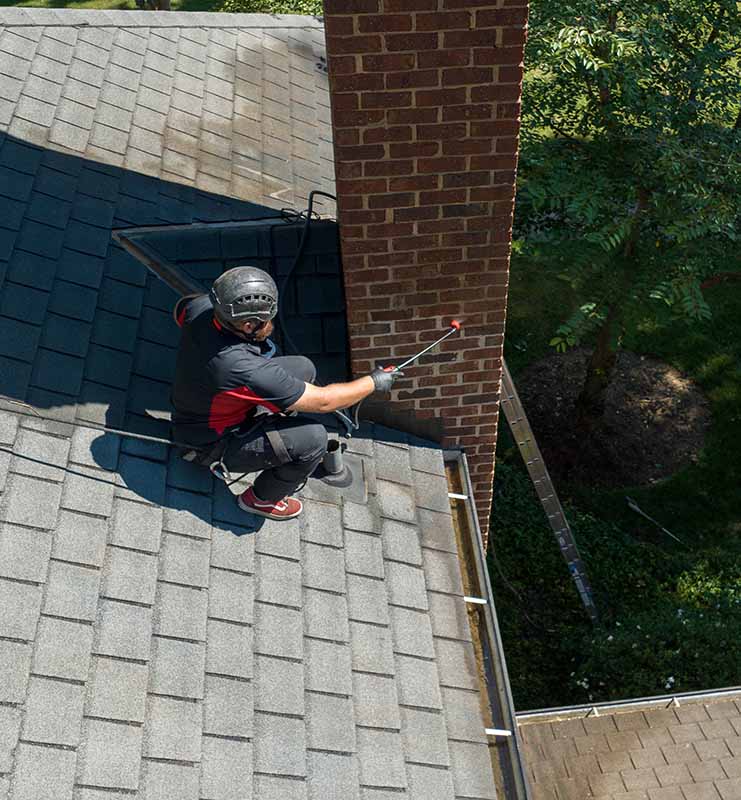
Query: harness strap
{"type": "Point", "coordinates": [276, 442]}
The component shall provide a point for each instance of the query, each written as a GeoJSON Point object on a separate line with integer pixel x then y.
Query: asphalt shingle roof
{"type": "Point", "coordinates": [155, 642]}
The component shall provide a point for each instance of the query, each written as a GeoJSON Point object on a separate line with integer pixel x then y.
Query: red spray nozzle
{"type": "Point", "coordinates": [455, 324]}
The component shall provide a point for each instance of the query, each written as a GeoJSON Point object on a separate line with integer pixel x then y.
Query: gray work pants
{"type": "Point", "coordinates": [304, 440]}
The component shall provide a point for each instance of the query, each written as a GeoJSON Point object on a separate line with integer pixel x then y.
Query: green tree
{"type": "Point", "coordinates": [629, 173]}
{"type": "Point", "coordinates": [313, 7]}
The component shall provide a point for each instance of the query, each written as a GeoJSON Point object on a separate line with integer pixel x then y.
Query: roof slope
{"type": "Point", "coordinates": [156, 642]}
{"type": "Point", "coordinates": [687, 752]}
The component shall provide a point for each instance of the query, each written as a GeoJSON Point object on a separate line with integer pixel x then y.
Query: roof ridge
{"type": "Point", "coordinates": [103, 18]}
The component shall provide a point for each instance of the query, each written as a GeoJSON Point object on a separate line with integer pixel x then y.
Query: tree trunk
{"type": "Point", "coordinates": [590, 404]}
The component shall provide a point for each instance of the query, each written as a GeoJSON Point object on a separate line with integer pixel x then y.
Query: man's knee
{"type": "Point", "coordinates": [311, 442]}
{"type": "Point", "coordinates": [307, 370]}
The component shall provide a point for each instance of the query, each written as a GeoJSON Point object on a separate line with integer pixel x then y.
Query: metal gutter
{"type": "Point", "coordinates": [594, 709]}
{"type": "Point", "coordinates": [497, 677]}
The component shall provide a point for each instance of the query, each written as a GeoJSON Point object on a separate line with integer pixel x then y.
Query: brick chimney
{"type": "Point", "coordinates": [425, 101]}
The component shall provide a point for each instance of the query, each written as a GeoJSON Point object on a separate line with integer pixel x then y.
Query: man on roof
{"type": "Point", "coordinates": [224, 373]}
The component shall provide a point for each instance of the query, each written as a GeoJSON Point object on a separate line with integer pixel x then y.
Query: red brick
{"type": "Point", "coordinates": [469, 111]}
{"type": "Point", "coordinates": [363, 216]}
{"type": "Point", "coordinates": [413, 242]}
{"type": "Point", "coordinates": [394, 62]}
{"type": "Point", "coordinates": [514, 36]}
{"type": "Point", "coordinates": [361, 152]}
{"type": "Point", "coordinates": [412, 214]}
{"type": "Point", "coordinates": [442, 196]}
{"type": "Point", "coordinates": [345, 102]}
{"type": "Point", "coordinates": [377, 168]}
{"type": "Point", "coordinates": [393, 200]}
{"type": "Point", "coordinates": [440, 225]}
{"type": "Point", "coordinates": [412, 79]}
{"type": "Point", "coordinates": [439, 132]}
{"type": "Point", "coordinates": [398, 133]}
{"type": "Point", "coordinates": [498, 55]}
{"type": "Point", "coordinates": [414, 183]}
{"type": "Point", "coordinates": [467, 147]}
{"type": "Point", "coordinates": [438, 256]}
{"type": "Point", "coordinates": [445, 58]}
{"type": "Point", "coordinates": [361, 187]}
{"type": "Point", "coordinates": [357, 81]}
{"type": "Point", "coordinates": [472, 38]}
{"type": "Point", "coordinates": [501, 17]}
{"type": "Point", "coordinates": [409, 5]}
{"type": "Point", "coordinates": [466, 179]}
{"type": "Point", "coordinates": [401, 116]}
{"type": "Point", "coordinates": [411, 41]}
{"type": "Point", "coordinates": [498, 162]}
{"type": "Point", "coordinates": [507, 74]}
{"type": "Point", "coordinates": [414, 149]}
{"type": "Point", "coordinates": [381, 23]}
{"type": "Point", "coordinates": [445, 21]}
{"type": "Point", "coordinates": [466, 76]}
{"type": "Point", "coordinates": [465, 210]}
{"type": "Point", "coordinates": [496, 93]}
{"type": "Point", "coordinates": [353, 44]}
{"type": "Point", "coordinates": [443, 164]}
{"type": "Point", "coordinates": [349, 169]}
{"type": "Point", "coordinates": [385, 99]}
{"type": "Point", "coordinates": [347, 137]}
{"type": "Point", "coordinates": [498, 127]}
{"type": "Point", "coordinates": [439, 97]}
{"type": "Point", "coordinates": [389, 229]}
{"type": "Point", "coordinates": [352, 119]}
{"type": "Point", "coordinates": [339, 26]}
{"type": "Point", "coordinates": [367, 276]}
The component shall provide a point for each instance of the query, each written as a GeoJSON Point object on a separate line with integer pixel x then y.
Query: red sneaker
{"type": "Point", "coordinates": [287, 508]}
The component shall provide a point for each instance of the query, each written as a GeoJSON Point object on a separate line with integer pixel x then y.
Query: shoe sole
{"type": "Point", "coordinates": [267, 515]}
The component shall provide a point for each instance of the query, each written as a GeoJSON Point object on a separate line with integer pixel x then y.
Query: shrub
{"type": "Point", "coordinates": [313, 7]}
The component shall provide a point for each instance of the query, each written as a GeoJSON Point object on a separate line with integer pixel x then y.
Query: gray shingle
{"type": "Point", "coordinates": [279, 745]}
{"type": "Point", "coordinates": [40, 455]}
{"type": "Point", "coordinates": [32, 502]}
{"type": "Point", "coordinates": [180, 611]}
{"type": "Point", "coordinates": [188, 513]}
{"type": "Point", "coordinates": [436, 530]}
{"type": "Point", "coordinates": [229, 649]}
{"type": "Point", "coordinates": [110, 755]}
{"type": "Point", "coordinates": [88, 490]}
{"type": "Point", "coordinates": [472, 772]}
{"type": "Point", "coordinates": [24, 554]}
{"type": "Point", "coordinates": [53, 712]}
{"type": "Point", "coordinates": [184, 560]}
{"type": "Point", "coordinates": [359, 517]}
{"type": "Point", "coordinates": [376, 701]}
{"type": "Point", "coordinates": [72, 591]}
{"type": "Point", "coordinates": [321, 523]}
{"type": "Point", "coordinates": [406, 586]}
{"type": "Point", "coordinates": [429, 783]}
{"type": "Point", "coordinates": [396, 501]}
{"type": "Point", "coordinates": [226, 769]}
{"type": "Point", "coordinates": [141, 480]}
{"type": "Point", "coordinates": [80, 538]}
{"type": "Point", "coordinates": [161, 781]}
{"type": "Point", "coordinates": [401, 542]}
{"type": "Point", "coordinates": [172, 729]}
{"type": "Point", "coordinates": [392, 463]}
{"type": "Point", "coordinates": [417, 682]}
{"type": "Point", "coordinates": [325, 616]}
{"type": "Point", "coordinates": [426, 457]}
{"type": "Point", "coordinates": [136, 525]}
{"type": "Point", "coordinates": [279, 631]}
{"type": "Point", "coordinates": [228, 707]}
{"type": "Point", "coordinates": [63, 649]}
{"type": "Point", "coordinates": [123, 630]}
{"type": "Point", "coordinates": [456, 663]}
{"type": "Point", "coordinates": [279, 686]}
{"type": "Point", "coordinates": [117, 690]}
{"type": "Point", "coordinates": [10, 726]}
{"type": "Point", "coordinates": [380, 758]}
{"type": "Point", "coordinates": [372, 648]}
{"type": "Point", "coordinates": [449, 616]}
{"type": "Point", "coordinates": [323, 568]}
{"type": "Point", "coordinates": [412, 632]}
{"type": "Point", "coordinates": [332, 777]}
{"type": "Point", "coordinates": [177, 668]}
{"type": "Point", "coordinates": [8, 427]}
{"type": "Point", "coordinates": [432, 491]}
{"type": "Point", "coordinates": [129, 575]}
{"type": "Point", "coordinates": [330, 723]}
{"type": "Point", "coordinates": [233, 552]}
{"type": "Point", "coordinates": [328, 667]}
{"type": "Point", "coordinates": [363, 554]}
{"type": "Point", "coordinates": [442, 572]}
{"type": "Point", "coordinates": [43, 773]}
{"type": "Point", "coordinates": [279, 539]}
{"type": "Point", "coordinates": [367, 600]}
{"type": "Point", "coordinates": [230, 596]}
{"type": "Point", "coordinates": [425, 737]}
{"type": "Point", "coordinates": [15, 662]}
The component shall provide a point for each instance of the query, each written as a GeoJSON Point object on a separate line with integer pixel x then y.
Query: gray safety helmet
{"type": "Point", "coordinates": [244, 294]}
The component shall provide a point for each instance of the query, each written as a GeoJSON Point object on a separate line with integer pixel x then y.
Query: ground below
{"type": "Point", "coordinates": [655, 422]}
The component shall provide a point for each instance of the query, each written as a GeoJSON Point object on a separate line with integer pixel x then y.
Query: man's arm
{"type": "Point", "coordinates": [325, 399]}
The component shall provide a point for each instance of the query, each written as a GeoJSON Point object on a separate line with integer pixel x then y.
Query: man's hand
{"type": "Point", "coordinates": [384, 380]}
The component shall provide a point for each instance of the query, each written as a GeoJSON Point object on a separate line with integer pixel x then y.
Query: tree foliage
{"type": "Point", "coordinates": [630, 171]}
{"type": "Point", "coordinates": [312, 7]}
